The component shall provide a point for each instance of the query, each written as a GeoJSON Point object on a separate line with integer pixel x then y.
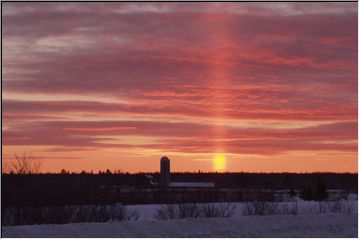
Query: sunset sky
{"type": "Point", "coordinates": [253, 87]}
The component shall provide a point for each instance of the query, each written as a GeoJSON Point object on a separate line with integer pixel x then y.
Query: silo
{"type": "Point", "coordinates": [164, 172]}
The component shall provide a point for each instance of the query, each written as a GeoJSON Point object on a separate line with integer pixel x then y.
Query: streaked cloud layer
{"type": "Point", "coordinates": [273, 86]}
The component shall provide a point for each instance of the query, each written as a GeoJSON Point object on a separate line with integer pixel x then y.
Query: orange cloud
{"type": "Point", "coordinates": [264, 79]}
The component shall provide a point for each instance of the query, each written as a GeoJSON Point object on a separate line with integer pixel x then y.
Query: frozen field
{"type": "Point", "coordinates": [321, 225]}
{"type": "Point", "coordinates": [146, 212]}
{"type": "Point", "coordinates": [295, 218]}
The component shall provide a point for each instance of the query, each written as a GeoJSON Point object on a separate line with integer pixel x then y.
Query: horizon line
{"type": "Point", "coordinates": [185, 172]}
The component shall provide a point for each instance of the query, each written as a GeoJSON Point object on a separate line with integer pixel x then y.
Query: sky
{"type": "Point", "coordinates": [252, 87]}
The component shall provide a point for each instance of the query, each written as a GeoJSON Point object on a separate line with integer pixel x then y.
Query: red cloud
{"type": "Point", "coordinates": [185, 137]}
{"type": "Point", "coordinates": [193, 62]}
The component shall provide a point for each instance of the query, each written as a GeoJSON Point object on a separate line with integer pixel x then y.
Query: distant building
{"type": "Point", "coordinates": [164, 172]}
{"type": "Point", "coordinates": [165, 178]}
{"type": "Point", "coordinates": [148, 181]}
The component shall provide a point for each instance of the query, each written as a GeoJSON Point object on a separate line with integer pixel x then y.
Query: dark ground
{"type": "Point", "coordinates": [79, 189]}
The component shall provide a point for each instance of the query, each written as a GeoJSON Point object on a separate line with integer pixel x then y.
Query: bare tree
{"type": "Point", "coordinates": [5, 167]}
{"type": "Point", "coordinates": [5, 164]}
{"type": "Point", "coordinates": [26, 163]}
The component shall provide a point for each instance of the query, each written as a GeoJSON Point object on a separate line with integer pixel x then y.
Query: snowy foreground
{"type": "Point", "coordinates": [146, 211]}
{"type": "Point", "coordinates": [322, 225]}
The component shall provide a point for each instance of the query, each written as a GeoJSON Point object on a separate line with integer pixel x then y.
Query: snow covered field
{"type": "Point", "coordinates": [118, 212]}
{"type": "Point", "coordinates": [311, 219]}
{"type": "Point", "coordinates": [321, 225]}
{"type": "Point", "coordinates": [146, 212]}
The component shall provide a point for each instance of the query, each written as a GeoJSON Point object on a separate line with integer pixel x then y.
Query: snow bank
{"type": "Point", "coordinates": [146, 212]}
{"type": "Point", "coordinates": [323, 225]}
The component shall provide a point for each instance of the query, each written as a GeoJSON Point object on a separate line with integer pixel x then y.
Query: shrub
{"type": "Point", "coordinates": [188, 210]}
{"type": "Point", "coordinates": [320, 192]}
{"type": "Point", "coordinates": [292, 193]}
{"type": "Point", "coordinates": [306, 194]}
{"type": "Point", "coordinates": [166, 212]}
{"type": "Point", "coordinates": [53, 215]}
{"type": "Point", "coordinates": [67, 214]}
{"type": "Point", "coordinates": [218, 210]}
{"type": "Point", "coordinates": [290, 210]}
{"type": "Point", "coordinates": [183, 210]}
{"type": "Point", "coordinates": [192, 210]}
{"type": "Point", "coordinates": [342, 195]}
{"type": "Point", "coordinates": [260, 208]}
{"type": "Point", "coordinates": [336, 207]}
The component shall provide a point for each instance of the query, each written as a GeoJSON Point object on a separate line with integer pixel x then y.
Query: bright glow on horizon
{"type": "Point", "coordinates": [219, 162]}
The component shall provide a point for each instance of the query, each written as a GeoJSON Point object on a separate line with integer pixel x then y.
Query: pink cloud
{"type": "Point", "coordinates": [184, 137]}
{"type": "Point", "coordinates": [252, 62]}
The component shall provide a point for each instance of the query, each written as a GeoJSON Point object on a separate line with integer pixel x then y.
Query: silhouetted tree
{"type": "Point", "coordinates": [306, 194]}
{"type": "Point", "coordinates": [6, 166]}
{"type": "Point", "coordinates": [292, 192]}
{"type": "Point", "coordinates": [26, 163]}
{"type": "Point", "coordinates": [320, 191]}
